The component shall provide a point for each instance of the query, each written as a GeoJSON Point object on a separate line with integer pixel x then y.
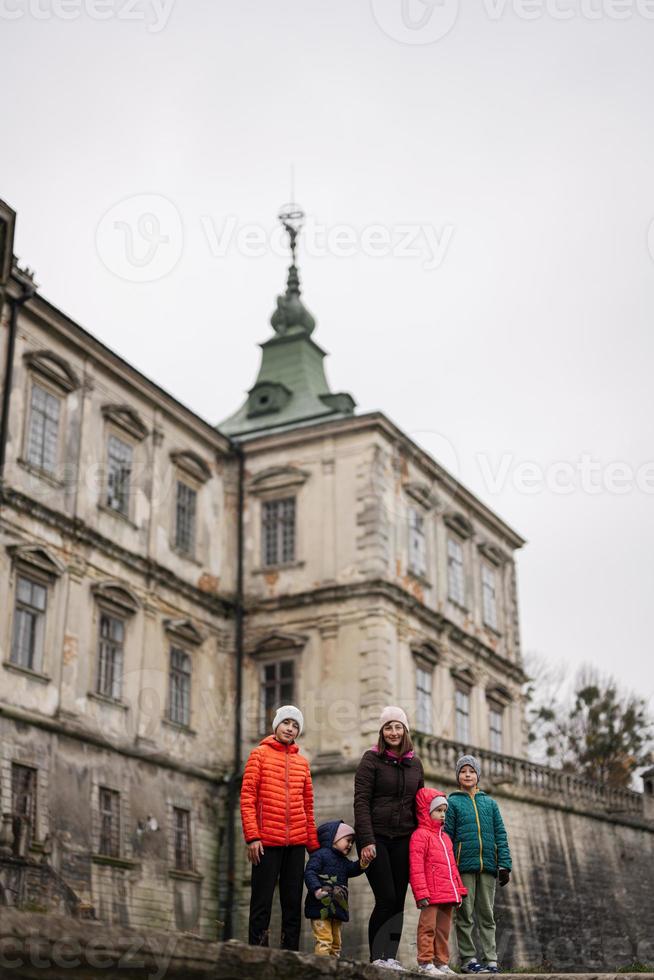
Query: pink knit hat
{"type": "Point", "coordinates": [343, 830]}
{"type": "Point", "coordinates": [393, 713]}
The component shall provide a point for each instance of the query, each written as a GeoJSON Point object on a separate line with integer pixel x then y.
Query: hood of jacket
{"type": "Point", "coordinates": [273, 743]}
{"type": "Point", "coordinates": [424, 797]}
{"type": "Point", "coordinates": [327, 832]}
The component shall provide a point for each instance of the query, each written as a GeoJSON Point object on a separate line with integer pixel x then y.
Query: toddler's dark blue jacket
{"type": "Point", "coordinates": [330, 870]}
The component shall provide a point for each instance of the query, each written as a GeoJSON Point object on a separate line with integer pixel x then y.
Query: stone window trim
{"type": "Point", "coordinates": [54, 369]}
{"type": "Point", "coordinates": [126, 420]}
{"type": "Point", "coordinates": [34, 559]}
{"type": "Point", "coordinates": [459, 524]}
{"type": "Point", "coordinates": [115, 598]}
{"type": "Point", "coordinates": [192, 466]}
{"type": "Point", "coordinates": [498, 696]}
{"type": "Point", "coordinates": [274, 481]}
{"type": "Point", "coordinates": [35, 675]}
{"type": "Point", "coordinates": [463, 676]}
{"type": "Point", "coordinates": [426, 652]}
{"type": "Point", "coordinates": [422, 494]}
{"type": "Point", "coordinates": [273, 644]}
{"type": "Point", "coordinates": [496, 556]}
{"type": "Point", "coordinates": [183, 631]}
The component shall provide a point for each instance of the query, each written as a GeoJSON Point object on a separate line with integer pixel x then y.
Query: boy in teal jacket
{"type": "Point", "coordinates": [481, 848]}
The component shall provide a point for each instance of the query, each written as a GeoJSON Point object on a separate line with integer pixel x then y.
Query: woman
{"type": "Point", "coordinates": [385, 786]}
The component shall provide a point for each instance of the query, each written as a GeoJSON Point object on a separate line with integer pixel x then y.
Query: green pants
{"type": "Point", "coordinates": [478, 902]}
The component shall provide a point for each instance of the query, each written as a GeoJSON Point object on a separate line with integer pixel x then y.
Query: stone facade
{"type": "Point", "coordinates": [370, 576]}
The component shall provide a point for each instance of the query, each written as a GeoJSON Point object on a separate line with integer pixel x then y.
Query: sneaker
{"type": "Point", "coordinates": [429, 969]}
{"type": "Point", "coordinates": [445, 968]}
{"type": "Point", "coordinates": [388, 965]}
{"type": "Point", "coordinates": [472, 966]}
{"type": "Point", "coordinates": [490, 968]}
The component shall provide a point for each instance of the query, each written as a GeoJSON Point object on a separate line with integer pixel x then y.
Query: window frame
{"type": "Point", "coordinates": [122, 437]}
{"type": "Point", "coordinates": [173, 648]}
{"type": "Point", "coordinates": [417, 531]}
{"type": "Point", "coordinates": [38, 656]}
{"type": "Point", "coordinates": [187, 865]}
{"type": "Point", "coordinates": [498, 710]}
{"type": "Point", "coordinates": [492, 621]}
{"type": "Point", "coordinates": [115, 845]}
{"type": "Point", "coordinates": [191, 486]}
{"type": "Point", "coordinates": [279, 682]}
{"type": "Point", "coordinates": [105, 611]}
{"type": "Point", "coordinates": [34, 803]}
{"type": "Point", "coordinates": [424, 696]}
{"type": "Point", "coordinates": [453, 539]}
{"type": "Point", "coordinates": [280, 560]}
{"type": "Point", "coordinates": [37, 381]}
{"type": "Point", "coordinates": [461, 691]}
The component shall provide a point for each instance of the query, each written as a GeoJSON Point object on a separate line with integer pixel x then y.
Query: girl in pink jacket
{"type": "Point", "coordinates": [435, 882]}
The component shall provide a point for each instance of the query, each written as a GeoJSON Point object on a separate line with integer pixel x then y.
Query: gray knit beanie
{"type": "Point", "coordinates": [468, 760]}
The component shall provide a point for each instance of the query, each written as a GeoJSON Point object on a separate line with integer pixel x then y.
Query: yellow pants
{"type": "Point", "coordinates": [327, 933]}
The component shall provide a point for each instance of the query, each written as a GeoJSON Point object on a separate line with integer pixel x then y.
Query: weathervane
{"type": "Point", "coordinates": [292, 218]}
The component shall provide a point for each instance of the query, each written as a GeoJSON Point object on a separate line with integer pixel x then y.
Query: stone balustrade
{"type": "Point", "coordinates": [439, 757]}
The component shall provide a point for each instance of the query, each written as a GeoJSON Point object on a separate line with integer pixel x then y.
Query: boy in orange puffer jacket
{"type": "Point", "coordinates": [435, 882]}
{"type": "Point", "coordinates": [278, 824]}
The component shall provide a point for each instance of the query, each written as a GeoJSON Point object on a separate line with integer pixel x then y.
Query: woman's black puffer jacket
{"type": "Point", "coordinates": [385, 796]}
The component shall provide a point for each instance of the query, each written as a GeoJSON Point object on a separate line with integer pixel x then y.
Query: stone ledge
{"type": "Point", "coordinates": [33, 946]}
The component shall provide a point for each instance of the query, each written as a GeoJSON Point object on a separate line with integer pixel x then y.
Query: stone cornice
{"type": "Point", "coordinates": [395, 594]}
{"type": "Point", "coordinates": [79, 531]}
{"type": "Point", "coordinates": [81, 733]}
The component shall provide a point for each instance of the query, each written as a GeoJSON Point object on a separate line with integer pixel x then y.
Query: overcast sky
{"type": "Point", "coordinates": [478, 185]}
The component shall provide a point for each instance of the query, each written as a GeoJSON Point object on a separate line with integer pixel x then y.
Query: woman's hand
{"type": "Point", "coordinates": [320, 893]}
{"type": "Point", "coordinates": [255, 852]}
{"type": "Point", "coordinates": [368, 854]}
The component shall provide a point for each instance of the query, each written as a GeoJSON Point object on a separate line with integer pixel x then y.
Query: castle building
{"type": "Point", "coordinates": [166, 584]}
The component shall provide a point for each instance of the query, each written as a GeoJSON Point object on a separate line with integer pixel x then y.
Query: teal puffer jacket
{"type": "Point", "coordinates": [477, 830]}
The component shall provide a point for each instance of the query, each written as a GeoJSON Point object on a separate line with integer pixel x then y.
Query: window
{"type": "Point", "coordinates": [277, 687]}
{"type": "Point", "coordinates": [109, 805]}
{"type": "Point", "coordinates": [179, 708]}
{"type": "Point", "coordinates": [423, 697]}
{"type": "Point", "coordinates": [496, 720]}
{"type": "Point", "coordinates": [29, 624]}
{"type": "Point", "coordinates": [488, 594]}
{"type": "Point", "coordinates": [455, 576]}
{"type": "Point", "coordinates": [23, 799]}
{"type": "Point", "coordinates": [185, 510]}
{"type": "Point", "coordinates": [110, 658]}
{"type": "Point", "coordinates": [182, 839]}
{"type": "Point", "coordinates": [462, 726]}
{"type": "Point", "coordinates": [278, 531]}
{"type": "Point", "coordinates": [417, 542]}
{"type": "Point", "coordinates": [119, 471]}
{"type": "Point", "coordinates": [43, 433]}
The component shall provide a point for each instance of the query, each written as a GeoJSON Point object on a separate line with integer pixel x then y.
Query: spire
{"type": "Point", "coordinates": [291, 387]}
{"type": "Point", "coordinates": [291, 315]}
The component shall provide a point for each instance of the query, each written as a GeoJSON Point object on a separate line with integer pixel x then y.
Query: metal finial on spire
{"type": "Point", "coordinates": [292, 218]}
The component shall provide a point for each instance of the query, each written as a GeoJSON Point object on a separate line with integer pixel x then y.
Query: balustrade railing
{"type": "Point", "coordinates": [440, 755]}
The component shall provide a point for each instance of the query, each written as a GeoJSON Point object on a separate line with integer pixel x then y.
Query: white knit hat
{"type": "Point", "coordinates": [288, 711]}
{"type": "Point", "coordinates": [393, 713]}
{"type": "Point", "coordinates": [343, 830]}
{"type": "Point", "coordinates": [437, 801]}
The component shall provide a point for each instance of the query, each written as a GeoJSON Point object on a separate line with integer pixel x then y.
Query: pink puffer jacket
{"type": "Point", "coordinates": [433, 870]}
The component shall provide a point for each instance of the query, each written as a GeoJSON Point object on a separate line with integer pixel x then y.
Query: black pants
{"type": "Point", "coordinates": [287, 864]}
{"type": "Point", "coordinates": [389, 879]}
